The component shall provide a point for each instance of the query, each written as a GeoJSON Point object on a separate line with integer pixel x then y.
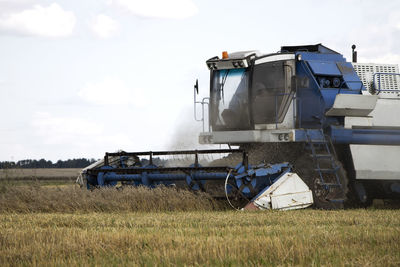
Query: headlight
{"type": "Point", "coordinates": [336, 82]}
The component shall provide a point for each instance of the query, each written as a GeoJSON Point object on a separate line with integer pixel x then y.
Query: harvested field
{"type": "Point", "coordinates": [51, 176]}
{"type": "Point", "coordinates": [39, 173]}
{"type": "Point", "coordinates": [64, 226]}
{"type": "Point", "coordinates": [206, 238]}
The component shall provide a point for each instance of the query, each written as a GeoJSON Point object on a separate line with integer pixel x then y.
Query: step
{"type": "Point", "coordinates": [337, 200]}
{"type": "Point", "coordinates": [332, 185]}
{"type": "Point", "coordinates": [322, 142]}
{"type": "Point", "coordinates": [328, 170]}
{"type": "Point", "coordinates": [323, 155]}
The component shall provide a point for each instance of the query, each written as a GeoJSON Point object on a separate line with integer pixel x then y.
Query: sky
{"type": "Point", "coordinates": [79, 78]}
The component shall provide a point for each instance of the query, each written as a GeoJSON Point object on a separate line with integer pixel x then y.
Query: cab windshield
{"type": "Point", "coordinates": [229, 101]}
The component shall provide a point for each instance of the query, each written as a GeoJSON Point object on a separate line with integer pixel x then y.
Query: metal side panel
{"type": "Point", "coordinates": [259, 136]}
{"type": "Point", "coordinates": [324, 68]}
{"type": "Point", "coordinates": [384, 116]}
{"type": "Point", "coordinates": [251, 136]}
{"type": "Point", "coordinates": [352, 105]}
{"type": "Point", "coordinates": [387, 113]}
{"type": "Point", "coordinates": [376, 162]}
{"type": "Point", "coordinates": [291, 201]}
{"type": "Point", "coordinates": [288, 192]}
{"type": "Point", "coordinates": [354, 122]}
{"type": "Point", "coordinates": [288, 183]}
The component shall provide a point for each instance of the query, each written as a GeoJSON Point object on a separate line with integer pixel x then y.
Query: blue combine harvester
{"type": "Point", "coordinates": [334, 121]}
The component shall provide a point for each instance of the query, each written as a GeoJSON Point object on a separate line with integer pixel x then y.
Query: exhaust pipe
{"type": "Point", "coordinates": [354, 53]}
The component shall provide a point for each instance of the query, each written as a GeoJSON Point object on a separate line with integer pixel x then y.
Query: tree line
{"type": "Point", "coordinates": [42, 163]}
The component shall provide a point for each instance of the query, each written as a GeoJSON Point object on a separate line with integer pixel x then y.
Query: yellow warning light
{"type": "Point", "coordinates": [224, 55]}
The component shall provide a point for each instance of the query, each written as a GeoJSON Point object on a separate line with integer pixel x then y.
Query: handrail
{"type": "Point", "coordinates": [204, 101]}
{"type": "Point", "coordinates": [294, 97]}
{"type": "Point", "coordinates": [379, 81]}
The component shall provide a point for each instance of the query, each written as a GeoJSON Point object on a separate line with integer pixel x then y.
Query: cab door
{"type": "Point", "coordinates": [271, 91]}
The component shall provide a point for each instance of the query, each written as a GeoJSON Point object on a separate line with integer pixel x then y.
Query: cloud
{"type": "Point", "coordinates": [62, 129]}
{"type": "Point", "coordinates": [166, 9]}
{"type": "Point", "coordinates": [111, 91]}
{"type": "Point", "coordinates": [104, 26]}
{"type": "Point", "coordinates": [15, 1]}
{"type": "Point", "coordinates": [76, 135]}
{"type": "Point", "coordinates": [378, 40]}
{"type": "Point", "coordinates": [385, 58]}
{"type": "Point", "coordinates": [7, 6]}
{"type": "Point", "coordinates": [46, 122]}
{"type": "Point", "coordinates": [50, 21]}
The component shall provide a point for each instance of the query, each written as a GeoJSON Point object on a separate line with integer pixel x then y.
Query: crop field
{"type": "Point", "coordinates": [44, 176]}
{"type": "Point", "coordinates": [67, 225]}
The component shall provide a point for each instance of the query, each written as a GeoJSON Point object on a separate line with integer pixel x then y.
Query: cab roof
{"type": "Point", "coordinates": [317, 48]}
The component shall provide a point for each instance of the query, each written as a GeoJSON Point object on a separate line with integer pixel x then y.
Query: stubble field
{"type": "Point", "coordinates": [43, 175]}
{"type": "Point", "coordinates": [66, 225]}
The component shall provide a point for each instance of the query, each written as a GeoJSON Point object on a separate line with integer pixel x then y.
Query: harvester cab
{"type": "Point", "coordinates": [277, 92]}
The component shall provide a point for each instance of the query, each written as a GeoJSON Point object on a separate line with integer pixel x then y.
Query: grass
{"type": "Point", "coordinates": [304, 237]}
{"type": "Point", "coordinates": [69, 226]}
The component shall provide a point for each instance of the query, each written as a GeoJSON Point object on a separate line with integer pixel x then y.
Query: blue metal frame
{"type": "Point", "coordinates": [316, 100]}
{"type": "Point", "coordinates": [340, 135]}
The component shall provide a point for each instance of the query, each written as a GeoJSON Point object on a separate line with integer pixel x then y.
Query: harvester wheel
{"type": "Point", "coordinates": [359, 196]}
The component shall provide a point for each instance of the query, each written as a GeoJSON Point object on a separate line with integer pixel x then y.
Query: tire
{"type": "Point", "coordinates": [354, 200]}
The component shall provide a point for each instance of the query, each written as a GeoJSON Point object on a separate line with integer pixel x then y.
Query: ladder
{"type": "Point", "coordinates": [326, 152]}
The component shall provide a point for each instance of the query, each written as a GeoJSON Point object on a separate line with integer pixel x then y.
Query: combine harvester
{"type": "Point", "coordinates": [333, 123]}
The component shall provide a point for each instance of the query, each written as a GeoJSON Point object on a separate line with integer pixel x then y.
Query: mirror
{"type": "Point", "coordinates": [196, 86]}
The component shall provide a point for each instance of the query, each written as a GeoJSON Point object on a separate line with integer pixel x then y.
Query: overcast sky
{"type": "Point", "coordinates": [79, 78]}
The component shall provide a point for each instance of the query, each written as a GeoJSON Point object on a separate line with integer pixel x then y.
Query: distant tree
{"type": "Point", "coordinates": [42, 163]}
{"type": "Point", "coordinates": [7, 164]}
